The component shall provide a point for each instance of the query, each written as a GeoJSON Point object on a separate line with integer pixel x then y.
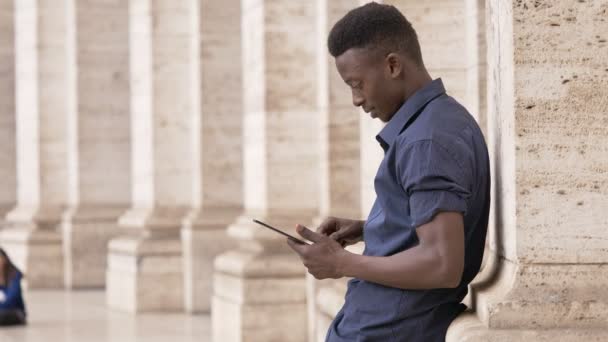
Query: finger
{"type": "Point", "coordinates": [296, 246]}
{"type": "Point", "coordinates": [327, 226]}
{"type": "Point", "coordinates": [338, 238]}
{"type": "Point", "coordinates": [309, 234]}
{"type": "Point", "coordinates": [336, 235]}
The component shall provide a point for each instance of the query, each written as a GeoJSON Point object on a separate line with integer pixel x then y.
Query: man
{"type": "Point", "coordinates": [424, 237]}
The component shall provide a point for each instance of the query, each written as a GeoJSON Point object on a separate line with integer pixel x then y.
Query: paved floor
{"type": "Point", "coordinates": [81, 316]}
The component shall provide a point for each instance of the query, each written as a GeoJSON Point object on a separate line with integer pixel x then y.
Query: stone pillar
{"type": "Point", "coordinates": [476, 61]}
{"type": "Point", "coordinates": [8, 163]}
{"type": "Point", "coordinates": [33, 238]}
{"type": "Point", "coordinates": [261, 285]}
{"type": "Point", "coordinates": [98, 131]}
{"type": "Point", "coordinates": [547, 128]}
{"type": "Point", "coordinates": [145, 267]}
{"type": "Point", "coordinates": [217, 157]}
{"type": "Point", "coordinates": [340, 187]}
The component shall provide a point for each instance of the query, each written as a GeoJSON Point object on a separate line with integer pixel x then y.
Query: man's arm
{"type": "Point", "coordinates": [436, 262]}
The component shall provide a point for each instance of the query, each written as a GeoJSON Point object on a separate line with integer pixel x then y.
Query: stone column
{"type": "Point", "coordinates": [547, 128]}
{"type": "Point", "coordinates": [33, 238]}
{"type": "Point", "coordinates": [261, 285]}
{"type": "Point", "coordinates": [145, 268]}
{"type": "Point", "coordinates": [98, 131]}
{"type": "Point", "coordinates": [340, 187]}
{"type": "Point", "coordinates": [8, 163]}
{"type": "Point", "coordinates": [217, 157]}
{"type": "Point", "coordinates": [476, 61]}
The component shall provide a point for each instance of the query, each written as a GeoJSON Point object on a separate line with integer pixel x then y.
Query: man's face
{"type": "Point", "coordinates": [373, 87]}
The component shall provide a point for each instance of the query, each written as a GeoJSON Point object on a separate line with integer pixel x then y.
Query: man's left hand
{"type": "Point", "coordinates": [323, 258]}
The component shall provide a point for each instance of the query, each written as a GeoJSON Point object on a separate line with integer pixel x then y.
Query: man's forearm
{"type": "Point", "coordinates": [415, 268]}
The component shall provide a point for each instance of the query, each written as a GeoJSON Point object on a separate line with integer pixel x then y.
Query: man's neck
{"type": "Point", "coordinates": [420, 80]}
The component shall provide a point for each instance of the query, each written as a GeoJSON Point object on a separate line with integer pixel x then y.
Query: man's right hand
{"type": "Point", "coordinates": [346, 231]}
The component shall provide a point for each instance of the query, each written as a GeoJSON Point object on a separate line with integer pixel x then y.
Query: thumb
{"type": "Point", "coordinates": [309, 234]}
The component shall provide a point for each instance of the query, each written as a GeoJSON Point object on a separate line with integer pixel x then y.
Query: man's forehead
{"type": "Point", "coordinates": [355, 60]}
{"type": "Point", "coordinates": [352, 61]}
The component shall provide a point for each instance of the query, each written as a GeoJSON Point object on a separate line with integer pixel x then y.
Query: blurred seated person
{"type": "Point", "coordinates": [12, 308]}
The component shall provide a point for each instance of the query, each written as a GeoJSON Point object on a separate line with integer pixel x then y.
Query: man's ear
{"type": "Point", "coordinates": [394, 65]}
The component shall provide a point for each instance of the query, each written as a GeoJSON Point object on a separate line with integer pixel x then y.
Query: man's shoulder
{"type": "Point", "coordinates": [444, 122]}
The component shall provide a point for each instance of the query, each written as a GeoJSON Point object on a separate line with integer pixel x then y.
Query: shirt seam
{"type": "Point", "coordinates": [449, 153]}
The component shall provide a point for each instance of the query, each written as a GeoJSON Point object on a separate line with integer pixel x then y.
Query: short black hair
{"type": "Point", "coordinates": [376, 26]}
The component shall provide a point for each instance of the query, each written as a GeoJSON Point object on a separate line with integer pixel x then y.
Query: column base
{"type": "Point", "coordinates": [37, 252]}
{"type": "Point", "coordinates": [145, 275]}
{"type": "Point", "coordinates": [4, 210]}
{"type": "Point", "coordinates": [468, 328]}
{"type": "Point", "coordinates": [85, 249]}
{"type": "Point", "coordinates": [264, 295]}
{"type": "Point", "coordinates": [200, 249]}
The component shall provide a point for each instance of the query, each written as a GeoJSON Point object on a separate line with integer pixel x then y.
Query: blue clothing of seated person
{"type": "Point", "coordinates": [12, 307]}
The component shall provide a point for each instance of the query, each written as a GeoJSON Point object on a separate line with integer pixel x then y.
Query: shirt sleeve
{"type": "Point", "coordinates": [434, 179]}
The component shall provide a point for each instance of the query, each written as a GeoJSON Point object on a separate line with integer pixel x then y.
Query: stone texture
{"type": "Point", "coordinates": [136, 269]}
{"type": "Point", "coordinates": [41, 90]}
{"type": "Point", "coordinates": [8, 163]}
{"type": "Point", "coordinates": [340, 173]}
{"type": "Point", "coordinates": [98, 137]}
{"type": "Point", "coordinates": [256, 292]}
{"type": "Point", "coordinates": [442, 32]}
{"type": "Point", "coordinates": [36, 251]}
{"type": "Point", "coordinates": [545, 273]}
{"type": "Point", "coordinates": [217, 154]}
{"type": "Point", "coordinates": [339, 125]}
{"type": "Point", "coordinates": [549, 163]}
{"type": "Point", "coordinates": [200, 247]}
{"type": "Point", "coordinates": [280, 175]}
{"type": "Point", "coordinates": [162, 75]}
{"type": "Point", "coordinates": [452, 39]}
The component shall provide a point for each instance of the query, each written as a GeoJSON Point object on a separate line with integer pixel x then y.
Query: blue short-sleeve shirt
{"type": "Point", "coordinates": [435, 159]}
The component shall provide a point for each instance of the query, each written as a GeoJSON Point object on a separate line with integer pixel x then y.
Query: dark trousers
{"type": "Point", "coordinates": [11, 317]}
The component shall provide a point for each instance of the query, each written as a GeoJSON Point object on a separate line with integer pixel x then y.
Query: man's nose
{"type": "Point", "coordinates": [357, 100]}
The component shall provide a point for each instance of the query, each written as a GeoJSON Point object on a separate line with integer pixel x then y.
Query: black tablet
{"type": "Point", "coordinates": [293, 238]}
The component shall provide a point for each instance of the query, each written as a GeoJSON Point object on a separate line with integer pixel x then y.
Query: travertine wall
{"type": "Point", "coordinates": [33, 237]}
{"type": "Point", "coordinates": [8, 170]}
{"type": "Point", "coordinates": [200, 115]}
{"type": "Point", "coordinates": [162, 73]}
{"type": "Point", "coordinates": [547, 116]}
{"type": "Point", "coordinates": [217, 148]}
{"type": "Point", "coordinates": [98, 136]}
{"type": "Point", "coordinates": [262, 280]}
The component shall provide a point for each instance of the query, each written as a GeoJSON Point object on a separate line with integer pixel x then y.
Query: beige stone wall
{"type": "Point", "coordinates": [217, 155]}
{"type": "Point", "coordinates": [98, 136]}
{"type": "Point", "coordinates": [8, 170]}
{"type": "Point", "coordinates": [41, 139]}
{"type": "Point", "coordinates": [200, 115]}
{"type": "Point", "coordinates": [547, 110]}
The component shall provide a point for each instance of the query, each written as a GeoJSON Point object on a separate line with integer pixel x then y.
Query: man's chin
{"type": "Point", "coordinates": [379, 117]}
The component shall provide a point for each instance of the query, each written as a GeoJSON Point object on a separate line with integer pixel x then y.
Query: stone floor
{"type": "Point", "coordinates": [81, 316]}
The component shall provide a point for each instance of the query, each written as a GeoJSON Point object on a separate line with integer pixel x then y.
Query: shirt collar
{"type": "Point", "coordinates": [389, 133]}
